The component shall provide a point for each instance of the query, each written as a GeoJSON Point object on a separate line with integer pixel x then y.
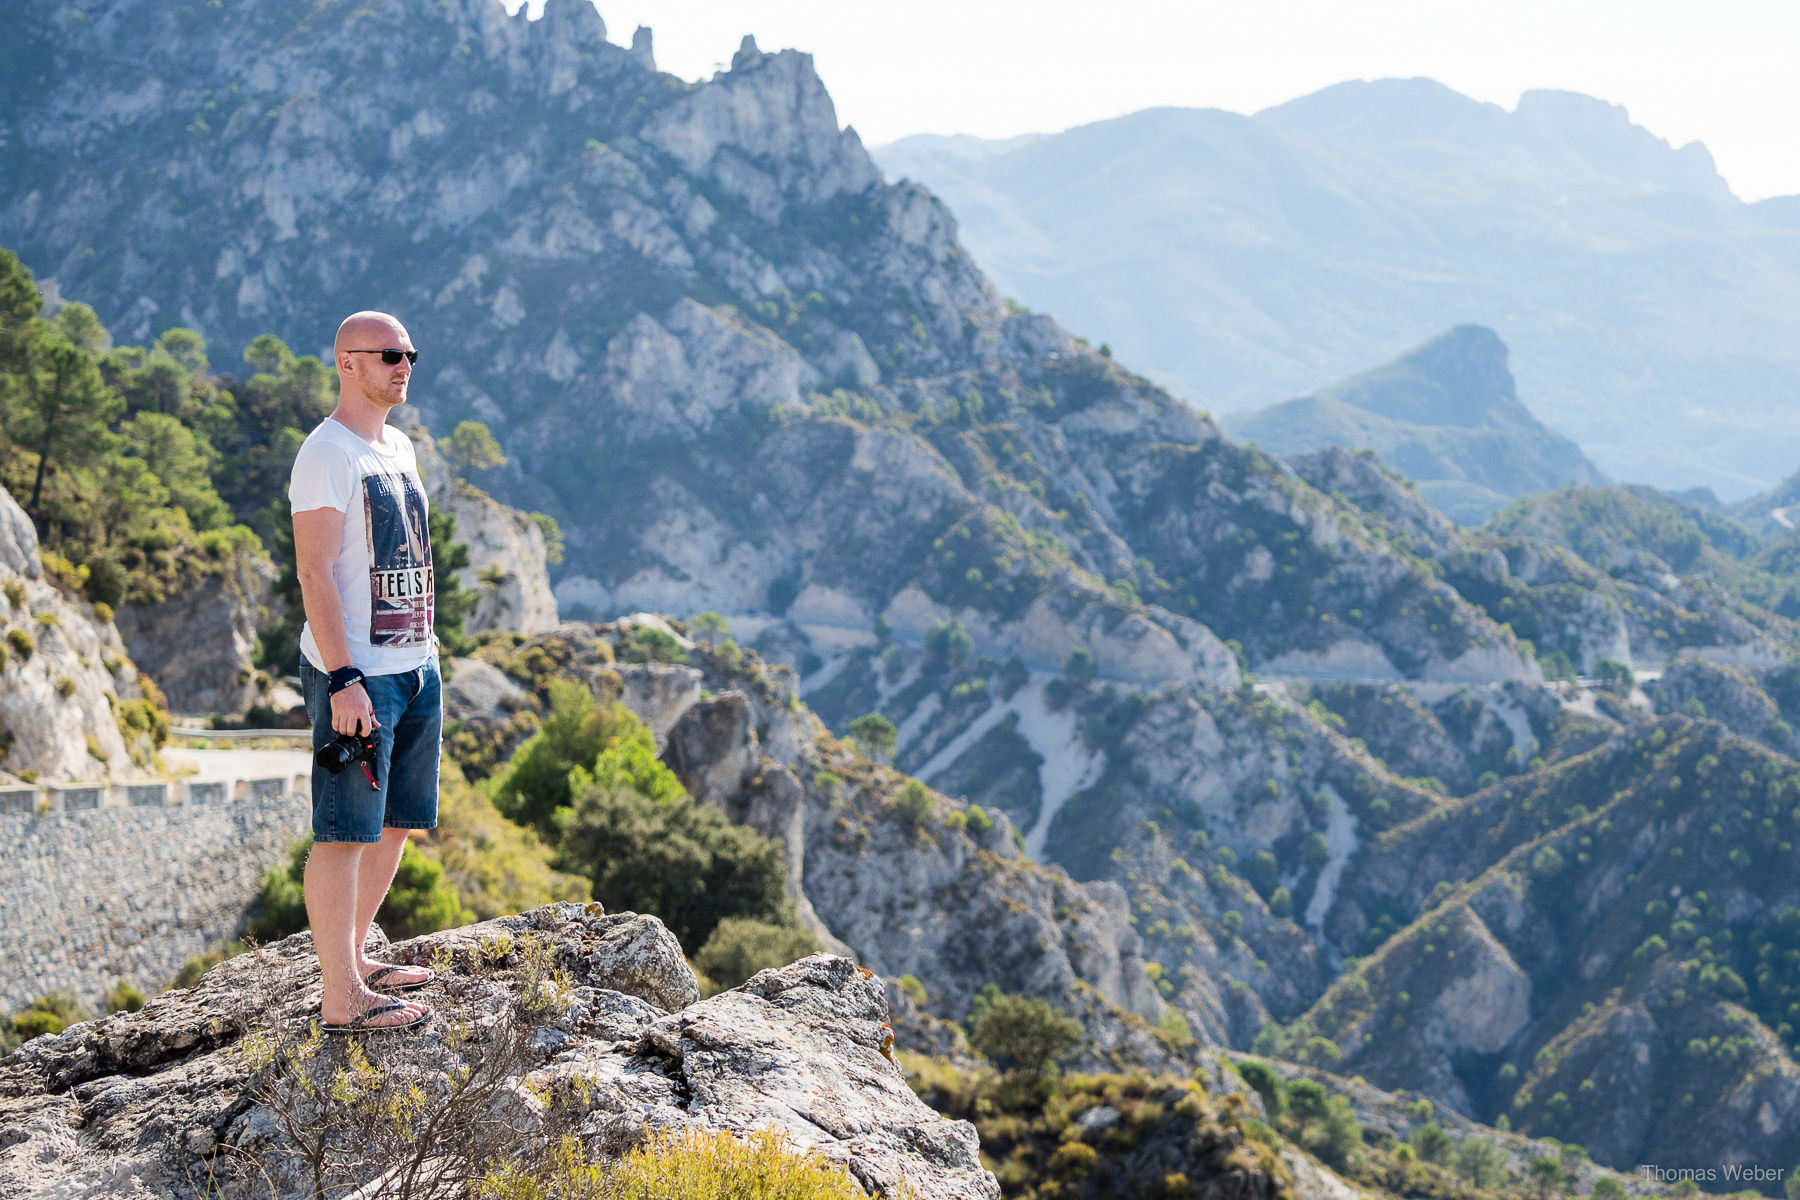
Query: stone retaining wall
{"type": "Point", "coordinates": [92, 895]}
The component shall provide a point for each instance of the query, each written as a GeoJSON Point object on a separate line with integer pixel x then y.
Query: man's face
{"type": "Point", "coordinates": [380, 383]}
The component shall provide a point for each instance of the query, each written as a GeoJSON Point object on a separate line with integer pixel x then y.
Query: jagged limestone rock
{"type": "Point", "coordinates": [64, 672]}
{"type": "Point", "coordinates": [481, 692]}
{"type": "Point", "coordinates": [167, 1100]}
{"type": "Point", "coordinates": [200, 646]}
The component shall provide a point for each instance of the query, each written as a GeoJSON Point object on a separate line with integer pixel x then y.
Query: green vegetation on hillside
{"type": "Point", "coordinates": [1630, 530]}
{"type": "Point", "coordinates": [141, 471]}
{"type": "Point", "coordinates": [1071, 1136]}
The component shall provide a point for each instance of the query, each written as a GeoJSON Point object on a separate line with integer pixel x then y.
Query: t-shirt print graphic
{"type": "Point", "coordinates": [401, 594]}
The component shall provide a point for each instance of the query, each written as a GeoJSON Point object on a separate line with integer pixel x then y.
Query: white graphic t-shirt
{"type": "Point", "coordinates": [383, 567]}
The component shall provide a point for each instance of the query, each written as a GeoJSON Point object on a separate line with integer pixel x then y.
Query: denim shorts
{"type": "Point", "coordinates": [410, 709]}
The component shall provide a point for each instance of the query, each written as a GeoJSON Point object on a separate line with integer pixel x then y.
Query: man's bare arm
{"type": "Point", "coordinates": [318, 532]}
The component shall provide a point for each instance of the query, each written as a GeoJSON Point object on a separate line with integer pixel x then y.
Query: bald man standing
{"type": "Point", "coordinates": [368, 666]}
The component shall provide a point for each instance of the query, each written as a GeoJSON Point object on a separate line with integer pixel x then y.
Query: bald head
{"type": "Point", "coordinates": [369, 330]}
{"type": "Point", "coordinates": [363, 378]}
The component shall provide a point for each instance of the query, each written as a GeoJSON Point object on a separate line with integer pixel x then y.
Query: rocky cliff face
{"type": "Point", "coordinates": [64, 677]}
{"type": "Point", "coordinates": [1590, 940]}
{"type": "Point", "coordinates": [200, 646]}
{"type": "Point", "coordinates": [193, 1095]}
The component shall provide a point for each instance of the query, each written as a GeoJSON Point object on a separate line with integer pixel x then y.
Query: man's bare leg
{"type": "Point", "coordinates": [373, 878]}
{"type": "Point", "coordinates": [332, 870]}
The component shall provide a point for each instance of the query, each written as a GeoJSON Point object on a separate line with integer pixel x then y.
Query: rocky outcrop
{"type": "Point", "coordinates": [1738, 699]}
{"type": "Point", "coordinates": [183, 1097]}
{"type": "Point", "coordinates": [62, 676]}
{"type": "Point", "coordinates": [200, 646]}
{"type": "Point", "coordinates": [481, 692]}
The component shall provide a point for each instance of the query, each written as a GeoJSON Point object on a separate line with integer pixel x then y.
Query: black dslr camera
{"type": "Point", "coordinates": [348, 748]}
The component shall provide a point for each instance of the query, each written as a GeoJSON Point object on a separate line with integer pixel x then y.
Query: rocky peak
{"type": "Point", "coordinates": [641, 49]}
{"type": "Point", "coordinates": [768, 119]}
{"type": "Point", "coordinates": [1457, 378]}
{"type": "Point", "coordinates": [587, 1022]}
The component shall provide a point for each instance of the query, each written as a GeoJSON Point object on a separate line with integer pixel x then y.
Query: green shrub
{"type": "Point", "coordinates": [647, 847]}
{"type": "Point", "coordinates": [497, 867]}
{"type": "Point", "coordinates": [52, 1012]}
{"type": "Point", "coordinates": [281, 903]}
{"type": "Point", "coordinates": [1608, 1188]}
{"type": "Point", "coordinates": [420, 900]}
{"type": "Point", "coordinates": [739, 947]}
{"type": "Point", "coordinates": [948, 644]}
{"type": "Point", "coordinates": [1080, 666]}
{"type": "Point", "coordinates": [535, 784]}
{"type": "Point", "coordinates": [1483, 1164]}
{"type": "Point", "coordinates": [135, 717]}
{"type": "Point", "coordinates": [1546, 1175]}
{"type": "Point", "coordinates": [36, 1023]}
{"type": "Point", "coordinates": [913, 802]}
{"type": "Point", "coordinates": [1614, 677]}
{"type": "Point", "coordinates": [978, 820]}
{"type": "Point", "coordinates": [646, 644]}
{"type": "Point", "coordinates": [1073, 1161]}
{"type": "Point", "coordinates": [106, 581]}
{"type": "Point", "coordinates": [1263, 872]}
{"type": "Point", "coordinates": [200, 964]}
{"type": "Point", "coordinates": [875, 735]}
{"type": "Point", "coordinates": [472, 447]}
{"type": "Point", "coordinates": [21, 643]}
{"type": "Point", "coordinates": [1342, 1132]}
{"type": "Point", "coordinates": [709, 625]}
{"type": "Point", "coordinates": [1265, 1083]}
{"type": "Point", "coordinates": [122, 997]}
{"type": "Point", "coordinates": [915, 990]}
{"type": "Point", "coordinates": [1431, 1142]}
{"type": "Point", "coordinates": [1024, 1034]}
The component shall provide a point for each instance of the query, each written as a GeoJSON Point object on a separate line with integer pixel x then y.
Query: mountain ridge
{"type": "Point", "coordinates": [1446, 414]}
{"type": "Point", "coordinates": [1243, 260]}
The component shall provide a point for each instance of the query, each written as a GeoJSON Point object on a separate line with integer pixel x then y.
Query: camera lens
{"type": "Point", "coordinates": [337, 756]}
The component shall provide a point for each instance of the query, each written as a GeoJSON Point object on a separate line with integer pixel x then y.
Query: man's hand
{"type": "Point", "coordinates": [351, 711]}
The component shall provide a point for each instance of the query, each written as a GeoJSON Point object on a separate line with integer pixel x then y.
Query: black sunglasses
{"type": "Point", "coordinates": [390, 357]}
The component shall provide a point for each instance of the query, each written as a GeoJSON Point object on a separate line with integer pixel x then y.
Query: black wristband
{"type": "Point", "coordinates": [342, 678]}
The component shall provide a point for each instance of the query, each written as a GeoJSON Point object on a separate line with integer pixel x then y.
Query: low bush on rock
{"type": "Point", "coordinates": [739, 947]}
{"type": "Point", "coordinates": [1025, 1035]}
{"type": "Point", "coordinates": [696, 1165]}
{"type": "Point", "coordinates": [649, 848]}
{"type": "Point", "coordinates": [1103, 1135]}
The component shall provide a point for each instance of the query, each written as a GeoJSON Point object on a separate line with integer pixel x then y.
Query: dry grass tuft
{"type": "Point", "coordinates": [696, 1165]}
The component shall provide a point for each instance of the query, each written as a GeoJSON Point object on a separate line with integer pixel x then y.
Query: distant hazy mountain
{"type": "Point", "coordinates": [1447, 414]}
{"type": "Point", "coordinates": [1654, 317]}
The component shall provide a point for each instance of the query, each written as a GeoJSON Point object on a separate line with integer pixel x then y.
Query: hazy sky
{"type": "Point", "coordinates": [1722, 72]}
